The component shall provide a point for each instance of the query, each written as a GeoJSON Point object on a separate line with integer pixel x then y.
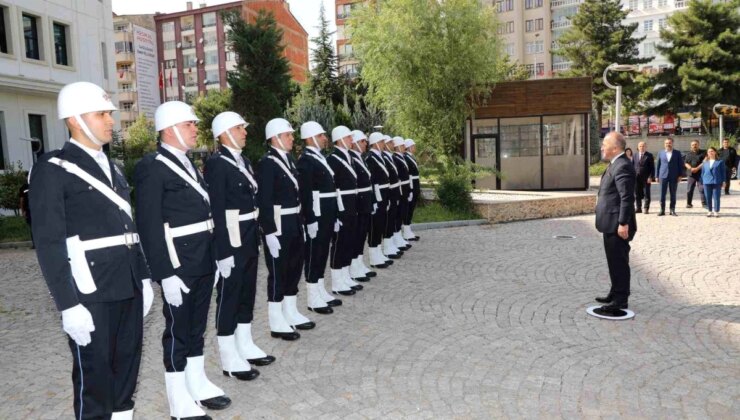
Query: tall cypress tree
{"type": "Point", "coordinates": [323, 81]}
{"type": "Point", "coordinates": [261, 82]}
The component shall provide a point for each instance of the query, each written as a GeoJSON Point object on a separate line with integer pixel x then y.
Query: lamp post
{"type": "Point", "coordinates": [714, 110]}
{"type": "Point", "coordinates": [618, 88]}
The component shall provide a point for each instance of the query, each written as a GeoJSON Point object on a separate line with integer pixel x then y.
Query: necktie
{"type": "Point", "coordinates": [189, 166]}
{"type": "Point", "coordinates": [102, 161]}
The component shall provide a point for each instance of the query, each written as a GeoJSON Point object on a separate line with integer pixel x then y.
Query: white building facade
{"type": "Point", "coordinates": [44, 45]}
{"type": "Point", "coordinates": [651, 16]}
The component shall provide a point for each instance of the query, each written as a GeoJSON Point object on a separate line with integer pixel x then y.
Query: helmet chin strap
{"type": "Point", "coordinates": [280, 142]}
{"type": "Point", "coordinates": [179, 138]}
{"type": "Point", "coordinates": [232, 141]}
{"type": "Point", "coordinates": [87, 131]}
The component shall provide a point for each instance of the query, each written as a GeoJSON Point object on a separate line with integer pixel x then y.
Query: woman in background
{"type": "Point", "coordinates": [713, 179]}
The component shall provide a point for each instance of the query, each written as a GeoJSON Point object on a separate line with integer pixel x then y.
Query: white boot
{"type": "Point", "coordinates": [348, 279]}
{"type": "Point", "coordinates": [361, 263]}
{"type": "Point", "coordinates": [398, 240]}
{"type": "Point", "coordinates": [376, 256]}
{"type": "Point", "coordinates": [123, 415]}
{"type": "Point", "coordinates": [355, 269]}
{"type": "Point", "coordinates": [337, 281]}
{"type": "Point", "coordinates": [182, 404]}
{"type": "Point", "coordinates": [325, 296]}
{"type": "Point", "coordinates": [278, 323]}
{"type": "Point", "coordinates": [231, 361]}
{"type": "Point", "coordinates": [388, 247]}
{"type": "Point", "coordinates": [315, 300]}
{"type": "Point", "coordinates": [199, 386]}
{"type": "Point", "coordinates": [244, 344]}
{"type": "Point", "coordinates": [291, 314]}
{"type": "Point", "coordinates": [408, 234]}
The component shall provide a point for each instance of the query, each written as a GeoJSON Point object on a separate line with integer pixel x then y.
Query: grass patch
{"type": "Point", "coordinates": [432, 211]}
{"type": "Point", "coordinates": [14, 229]}
{"type": "Point", "coordinates": [597, 169]}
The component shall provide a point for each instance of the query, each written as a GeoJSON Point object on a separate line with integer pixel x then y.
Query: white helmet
{"type": "Point", "coordinates": [409, 143]}
{"type": "Point", "coordinates": [387, 138]}
{"type": "Point", "coordinates": [375, 138]}
{"type": "Point", "coordinates": [398, 141]}
{"type": "Point", "coordinates": [311, 129]}
{"type": "Point", "coordinates": [358, 136]}
{"type": "Point", "coordinates": [225, 121]}
{"type": "Point", "coordinates": [277, 126]}
{"type": "Point", "coordinates": [82, 97]}
{"type": "Point", "coordinates": [339, 133]}
{"type": "Point", "coordinates": [171, 113]}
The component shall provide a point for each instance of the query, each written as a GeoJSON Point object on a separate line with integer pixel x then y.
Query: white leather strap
{"type": "Point", "coordinates": [380, 163]}
{"type": "Point", "coordinates": [402, 160]}
{"type": "Point", "coordinates": [414, 177]}
{"type": "Point", "coordinates": [185, 176]}
{"type": "Point", "coordinates": [95, 183]}
{"type": "Point", "coordinates": [416, 165]}
{"type": "Point", "coordinates": [127, 239]}
{"type": "Point", "coordinates": [249, 216]}
{"type": "Point", "coordinates": [361, 163]}
{"type": "Point", "coordinates": [365, 189]}
{"type": "Point", "coordinates": [244, 172]}
{"type": "Point", "coordinates": [191, 229]}
{"type": "Point", "coordinates": [407, 182]}
{"type": "Point", "coordinates": [290, 210]}
{"type": "Point", "coordinates": [285, 169]}
{"type": "Point", "coordinates": [346, 165]}
{"type": "Point", "coordinates": [322, 160]}
{"type": "Point", "coordinates": [389, 159]}
{"type": "Point", "coordinates": [347, 192]}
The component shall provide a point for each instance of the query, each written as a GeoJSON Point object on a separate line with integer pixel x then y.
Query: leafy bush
{"type": "Point", "coordinates": [455, 183]}
{"type": "Point", "coordinates": [11, 181]}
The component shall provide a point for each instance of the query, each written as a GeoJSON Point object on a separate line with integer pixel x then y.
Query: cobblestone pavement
{"type": "Point", "coordinates": [474, 322]}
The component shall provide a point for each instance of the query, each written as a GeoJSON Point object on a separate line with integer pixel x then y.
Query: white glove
{"type": "Point", "coordinates": [411, 197]}
{"type": "Point", "coordinates": [148, 294]}
{"type": "Point", "coordinates": [388, 207]}
{"type": "Point", "coordinates": [78, 323]}
{"type": "Point", "coordinates": [172, 286]}
{"type": "Point", "coordinates": [337, 225]}
{"type": "Point", "coordinates": [225, 266]}
{"type": "Point", "coordinates": [312, 229]}
{"type": "Point", "coordinates": [273, 244]}
{"type": "Point", "coordinates": [375, 208]}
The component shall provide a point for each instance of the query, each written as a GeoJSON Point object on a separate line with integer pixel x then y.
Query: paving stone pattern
{"type": "Point", "coordinates": [474, 322]}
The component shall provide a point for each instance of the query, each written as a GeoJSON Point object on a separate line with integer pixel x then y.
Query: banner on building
{"type": "Point", "coordinates": [147, 83]}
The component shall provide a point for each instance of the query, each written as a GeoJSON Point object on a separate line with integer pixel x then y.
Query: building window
{"type": "Point", "coordinates": [343, 11]}
{"type": "Point", "coordinates": [209, 19]}
{"type": "Point", "coordinates": [124, 47]}
{"type": "Point", "coordinates": [647, 25]}
{"type": "Point", "coordinates": [170, 64]}
{"type": "Point", "coordinates": [36, 131]}
{"type": "Point", "coordinates": [187, 23]}
{"type": "Point", "coordinates": [346, 52]}
{"type": "Point", "coordinates": [168, 27]}
{"type": "Point", "coordinates": [504, 6]}
{"type": "Point", "coordinates": [125, 87]}
{"type": "Point", "coordinates": [210, 39]}
{"type": "Point", "coordinates": [168, 45]}
{"type": "Point", "coordinates": [509, 49]}
{"type": "Point", "coordinates": [662, 3]}
{"type": "Point", "coordinates": [633, 4]}
{"type": "Point", "coordinates": [539, 24]}
{"type": "Point", "coordinates": [61, 44]}
{"type": "Point", "coordinates": [662, 23]}
{"type": "Point", "coordinates": [647, 4]}
{"type": "Point", "coordinates": [4, 32]}
{"type": "Point", "coordinates": [535, 47]}
{"type": "Point", "coordinates": [230, 56]}
{"type": "Point", "coordinates": [31, 36]}
{"type": "Point", "coordinates": [120, 27]}
{"type": "Point", "coordinates": [211, 57]}
{"type": "Point", "coordinates": [529, 25]}
{"type": "Point", "coordinates": [189, 60]}
{"type": "Point", "coordinates": [340, 32]}
{"type": "Point", "coordinates": [191, 79]}
{"type": "Point", "coordinates": [648, 49]}
{"type": "Point", "coordinates": [212, 77]}
{"type": "Point", "coordinates": [126, 106]}
{"type": "Point", "coordinates": [531, 4]}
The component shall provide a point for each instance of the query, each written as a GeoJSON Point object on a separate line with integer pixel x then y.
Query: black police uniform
{"type": "Point", "coordinates": [405, 180]}
{"type": "Point", "coordinates": [345, 179]}
{"type": "Point", "coordinates": [394, 193]}
{"type": "Point", "coordinates": [280, 188]}
{"type": "Point", "coordinates": [379, 177]}
{"type": "Point", "coordinates": [232, 191]}
{"type": "Point", "coordinates": [413, 166]}
{"type": "Point", "coordinates": [365, 200]}
{"type": "Point", "coordinates": [64, 206]}
{"type": "Point", "coordinates": [163, 196]}
{"type": "Point", "coordinates": [316, 178]}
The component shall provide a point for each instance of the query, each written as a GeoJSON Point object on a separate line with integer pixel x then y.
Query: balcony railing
{"type": "Point", "coordinates": [559, 24]}
{"type": "Point", "coordinates": [561, 66]}
{"type": "Point", "coordinates": [680, 4]}
{"type": "Point", "coordinates": [563, 3]}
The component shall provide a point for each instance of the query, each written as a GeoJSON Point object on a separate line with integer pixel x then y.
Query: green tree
{"type": "Point", "coordinates": [206, 107]}
{"type": "Point", "coordinates": [309, 107]}
{"type": "Point", "coordinates": [12, 179]}
{"type": "Point", "coordinates": [597, 39]}
{"type": "Point", "coordinates": [261, 83]}
{"type": "Point", "coordinates": [323, 81]}
{"type": "Point", "coordinates": [142, 138]}
{"type": "Point", "coordinates": [427, 64]}
{"type": "Point", "coordinates": [703, 45]}
{"type": "Point", "coordinates": [367, 117]}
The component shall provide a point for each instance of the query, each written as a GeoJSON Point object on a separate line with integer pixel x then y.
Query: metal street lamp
{"type": "Point", "coordinates": [714, 109]}
{"type": "Point", "coordinates": [618, 88]}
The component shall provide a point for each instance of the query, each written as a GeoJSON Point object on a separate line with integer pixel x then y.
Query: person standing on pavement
{"type": "Point", "coordinates": [693, 162]}
{"type": "Point", "coordinates": [282, 231]}
{"type": "Point", "coordinates": [714, 177]}
{"type": "Point", "coordinates": [389, 245]}
{"type": "Point", "coordinates": [407, 194]}
{"type": "Point", "coordinates": [173, 212]}
{"type": "Point", "coordinates": [320, 207]}
{"type": "Point", "coordinates": [668, 171]}
{"type": "Point", "coordinates": [232, 189]}
{"type": "Point", "coordinates": [413, 165]}
{"type": "Point", "coordinates": [379, 177]}
{"type": "Point", "coordinates": [366, 206]}
{"type": "Point", "coordinates": [89, 254]}
{"type": "Point", "coordinates": [615, 219]}
{"type": "Point", "coordinates": [728, 155]}
{"type": "Point", "coordinates": [645, 168]}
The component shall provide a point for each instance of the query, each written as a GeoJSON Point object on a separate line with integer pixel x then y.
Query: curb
{"type": "Point", "coordinates": [448, 224]}
{"type": "Point", "coordinates": [15, 245]}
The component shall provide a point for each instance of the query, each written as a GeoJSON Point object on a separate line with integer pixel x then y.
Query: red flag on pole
{"type": "Point", "coordinates": [161, 79]}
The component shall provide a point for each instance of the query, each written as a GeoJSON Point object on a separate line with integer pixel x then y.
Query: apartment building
{"type": "Point", "coordinates": [651, 16]}
{"type": "Point", "coordinates": [346, 60]}
{"type": "Point", "coordinates": [44, 45]}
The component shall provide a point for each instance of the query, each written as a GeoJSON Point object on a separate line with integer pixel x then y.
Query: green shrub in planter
{"type": "Point", "coordinates": [453, 190]}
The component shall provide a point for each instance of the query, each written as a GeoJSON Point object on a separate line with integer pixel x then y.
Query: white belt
{"type": "Point", "coordinates": [347, 192]}
{"type": "Point", "coordinates": [192, 228]}
{"type": "Point", "coordinates": [366, 189]}
{"type": "Point", "coordinates": [290, 210]}
{"type": "Point", "coordinates": [396, 185]}
{"type": "Point", "coordinates": [405, 182]}
{"type": "Point", "coordinates": [249, 216]}
{"type": "Point", "coordinates": [383, 186]}
{"type": "Point", "coordinates": [128, 239]}
{"type": "Point", "coordinates": [332, 194]}
{"type": "Point", "coordinates": [413, 177]}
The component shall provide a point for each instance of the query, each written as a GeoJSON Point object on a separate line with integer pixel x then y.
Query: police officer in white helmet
{"type": "Point", "coordinates": [176, 226]}
{"type": "Point", "coordinates": [89, 253]}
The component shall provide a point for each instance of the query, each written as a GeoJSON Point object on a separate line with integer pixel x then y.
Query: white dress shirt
{"type": "Point", "coordinates": [100, 158]}
{"type": "Point", "coordinates": [179, 154]}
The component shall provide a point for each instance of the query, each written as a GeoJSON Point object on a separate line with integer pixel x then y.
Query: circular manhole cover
{"type": "Point", "coordinates": [564, 237]}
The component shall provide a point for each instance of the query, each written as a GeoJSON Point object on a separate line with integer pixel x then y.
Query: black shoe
{"type": "Point", "coordinates": [306, 325]}
{"type": "Point", "coordinates": [662, 213]}
{"type": "Point", "coordinates": [604, 299]}
{"type": "Point", "coordinates": [325, 310]}
{"type": "Point", "coordinates": [371, 274]}
{"type": "Point", "coordinates": [384, 265]}
{"type": "Point", "coordinates": [673, 213]}
{"type": "Point", "coordinates": [216, 403]}
{"type": "Point", "coordinates": [647, 210]}
{"type": "Point", "coordinates": [415, 238]}
{"type": "Point", "coordinates": [247, 375]}
{"type": "Point", "coordinates": [334, 302]}
{"type": "Point", "coordinates": [206, 417]}
{"type": "Point", "coordinates": [689, 206]}
{"type": "Point", "coordinates": [638, 210]}
{"type": "Point", "coordinates": [394, 256]}
{"type": "Point", "coordinates": [361, 279]}
{"type": "Point", "coordinates": [287, 336]}
{"type": "Point", "coordinates": [357, 287]}
{"type": "Point", "coordinates": [389, 262]}
{"type": "Point", "coordinates": [345, 292]}
{"type": "Point", "coordinates": [262, 361]}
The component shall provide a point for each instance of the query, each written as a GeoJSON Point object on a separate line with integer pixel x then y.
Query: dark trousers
{"type": "Point", "coordinates": [104, 372]}
{"type": "Point", "coordinates": [618, 260]}
{"type": "Point", "coordinates": [284, 272]}
{"type": "Point", "coordinates": [666, 185]}
{"type": "Point", "coordinates": [361, 232]}
{"type": "Point", "coordinates": [728, 175]}
{"type": "Point", "coordinates": [377, 225]}
{"type": "Point", "coordinates": [235, 299]}
{"type": "Point", "coordinates": [316, 250]}
{"type": "Point", "coordinates": [185, 325]}
{"type": "Point", "coordinates": [712, 193]}
{"type": "Point", "coordinates": [403, 209]}
{"type": "Point", "coordinates": [390, 223]}
{"type": "Point", "coordinates": [691, 184]}
{"type": "Point", "coordinates": [410, 211]}
{"type": "Point", "coordinates": [642, 191]}
{"type": "Point", "coordinates": [343, 242]}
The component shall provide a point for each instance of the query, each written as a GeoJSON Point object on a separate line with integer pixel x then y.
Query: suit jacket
{"type": "Point", "coordinates": [364, 199]}
{"type": "Point", "coordinates": [403, 174]}
{"type": "Point", "coordinates": [414, 172]}
{"type": "Point", "coordinates": [669, 170]}
{"type": "Point", "coordinates": [645, 166]}
{"type": "Point", "coordinates": [378, 176]}
{"type": "Point", "coordinates": [394, 192]}
{"type": "Point", "coordinates": [276, 188]}
{"type": "Point", "coordinates": [715, 175]}
{"type": "Point", "coordinates": [314, 176]}
{"type": "Point", "coordinates": [63, 205]}
{"type": "Point", "coordinates": [616, 201]}
{"type": "Point", "coordinates": [230, 189]}
{"type": "Point", "coordinates": [162, 197]}
{"type": "Point", "coordinates": [345, 180]}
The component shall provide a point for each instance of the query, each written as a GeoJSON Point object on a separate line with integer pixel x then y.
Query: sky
{"type": "Point", "coordinates": [306, 11]}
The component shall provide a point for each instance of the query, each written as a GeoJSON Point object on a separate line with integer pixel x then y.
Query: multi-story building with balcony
{"type": "Point", "coordinates": [346, 60]}
{"type": "Point", "coordinates": [44, 45]}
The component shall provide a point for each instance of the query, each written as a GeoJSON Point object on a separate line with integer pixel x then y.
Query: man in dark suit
{"type": "Point", "coordinates": [173, 212]}
{"type": "Point", "coordinates": [645, 169]}
{"type": "Point", "coordinates": [379, 177]}
{"type": "Point", "coordinates": [669, 169]}
{"type": "Point", "coordinates": [89, 254]}
{"type": "Point", "coordinates": [365, 206]}
{"type": "Point", "coordinates": [408, 234]}
{"type": "Point", "coordinates": [390, 248]}
{"type": "Point", "coordinates": [404, 179]}
{"type": "Point", "coordinates": [615, 219]}
{"type": "Point", "coordinates": [233, 191]}
{"type": "Point", "coordinates": [728, 154]}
